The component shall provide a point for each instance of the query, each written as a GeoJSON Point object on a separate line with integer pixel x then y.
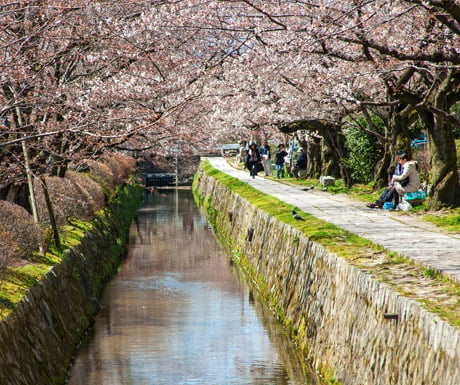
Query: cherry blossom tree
{"type": "Point", "coordinates": [403, 53]}
{"type": "Point", "coordinates": [79, 79]}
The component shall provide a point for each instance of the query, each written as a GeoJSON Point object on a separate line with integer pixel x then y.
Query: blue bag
{"type": "Point", "coordinates": [419, 195]}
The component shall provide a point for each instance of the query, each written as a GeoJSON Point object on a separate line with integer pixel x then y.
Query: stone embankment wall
{"type": "Point", "coordinates": [38, 340]}
{"type": "Point", "coordinates": [351, 326]}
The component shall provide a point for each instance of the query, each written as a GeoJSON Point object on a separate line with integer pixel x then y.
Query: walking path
{"type": "Point", "coordinates": [414, 239]}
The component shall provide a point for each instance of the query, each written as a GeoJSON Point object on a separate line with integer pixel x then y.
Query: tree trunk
{"type": "Point", "coordinates": [329, 163]}
{"type": "Point", "coordinates": [335, 141]}
{"type": "Point", "coordinates": [312, 149]}
{"type": "Point", "coordinates": [25, 152]}
{"type": "Point", "coordinates": [49, 206]}
{"type": "Point", "coordinates": [30, 183]}
{"type": "Point", "coordinates": [382, 170]}
{"type": "Point", "coordinates": [399, 122]}
{"type": "Point", "coordinates": [444, 177]}
{"type": "Point", "coordinates": [314, 158]}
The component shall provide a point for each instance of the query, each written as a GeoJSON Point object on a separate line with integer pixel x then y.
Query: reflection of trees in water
{"type": "Point", "coordinates": [177, 304]}
{"type": "Point", "coordinates": [188, 223]}
{"type": "Point", "coordinates": [298, 371]}
{"type": "Point", "coordinates": [171, 233]}
{"type": "Point", "coordinates": [165, 248]}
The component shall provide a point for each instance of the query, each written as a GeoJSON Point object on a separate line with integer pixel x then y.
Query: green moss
{"type": "Point", "coordinates": [16, 282]}
{"type": "Point", "coordinates": [296, 240]}
{"type": "Point", "coordinates": [429, 272]}
{"type": "Point", "coordinates": [398, 258]}
{"type": "Point", "coordinates": [328, 375]}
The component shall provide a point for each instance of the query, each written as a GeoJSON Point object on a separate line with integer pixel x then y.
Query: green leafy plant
{"type": "Point", "coordinates": [364, 150]}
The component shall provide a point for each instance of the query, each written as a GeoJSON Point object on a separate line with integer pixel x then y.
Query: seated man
{"type": "Point", "coordinates": [300, 168]}
{"type": "Point", "coordinates": [409, 173]}
{"type": "Point", "coordinates": [389, 194]}
{"type": "Point", "coordinates": [405, 179]}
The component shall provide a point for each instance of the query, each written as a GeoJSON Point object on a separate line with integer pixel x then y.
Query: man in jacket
{"type": "Point", "coordinates": [253, 160]}
{"type": "Point", "coordinates": [266, 158]}
{"type": "Point", "coordinates": [279, 161]}
{"type": "Point", "coordinates": [409, 172]}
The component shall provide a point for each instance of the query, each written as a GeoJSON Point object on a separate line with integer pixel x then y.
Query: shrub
{"type": "Point", "coordinates": [103, 175]}
{"type": "Point", "coordinates": [28, 237]}
{"type": "Point", "coordinates": [89, 187]}
{"type": "Point", "coordinates": [67, 198]}
{"type": "Point", "coordinates": [122, 165]}
{"type": "Point", "coordinates": [9, 249]}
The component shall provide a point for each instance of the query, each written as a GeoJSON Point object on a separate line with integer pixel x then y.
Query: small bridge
{"type": "Point", "coordinates": [159, 179]}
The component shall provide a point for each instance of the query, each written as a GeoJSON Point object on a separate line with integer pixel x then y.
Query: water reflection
{"type": "Point", "coordinates": [177, 313]}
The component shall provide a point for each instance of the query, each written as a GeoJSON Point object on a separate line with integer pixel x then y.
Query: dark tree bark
{"type": "Point", "coordinates": [49, 206]}
{"type": "Point", "coordinates": [334, 141]}
{"type": "Point", "coordinates": [445, 189]}
{"type": "Point", "coordinates": [312, 148]}
{"type": "Point", "coordinates": [398, 118]}
{"type": "Point", "coordinates": [16, 193]}
{"type": "Point", "coordinates": [314, 158]}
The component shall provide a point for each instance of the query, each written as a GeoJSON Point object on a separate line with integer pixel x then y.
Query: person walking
{"type": "Point", "coordinates": [253, 159]}
{"type": "Point", "coordinates": [241, 151]}
{"type": "Point", "coordinates": [266, 158]}
{"type": "Point", "coordinates": [279, 161]}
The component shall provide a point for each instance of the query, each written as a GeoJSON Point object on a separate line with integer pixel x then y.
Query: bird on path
{"type": "Point", "coordinates": [297, 216]}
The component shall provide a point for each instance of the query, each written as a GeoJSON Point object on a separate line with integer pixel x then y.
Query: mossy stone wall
{"type": "Point", "coordinates": [354, 329]}
{"type": "Point", "coordinates": [38, 340]}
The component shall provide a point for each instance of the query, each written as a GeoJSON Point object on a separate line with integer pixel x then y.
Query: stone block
{"type": "Point", "coordinates": [327, 180]}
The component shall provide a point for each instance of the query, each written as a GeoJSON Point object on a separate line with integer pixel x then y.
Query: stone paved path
{"type": "Point", "coordinates": [418, 241]}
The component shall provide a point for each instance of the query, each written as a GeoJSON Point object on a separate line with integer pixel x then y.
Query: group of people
{"type": "Point", "coordinates": [405, 178]}
{"type": "Point", "coordinates": [259, 158]}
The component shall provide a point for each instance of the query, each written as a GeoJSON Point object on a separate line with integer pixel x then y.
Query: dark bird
{"type": "Point", "coordinates": [297, 216]}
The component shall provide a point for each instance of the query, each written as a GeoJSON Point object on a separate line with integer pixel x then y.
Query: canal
{"type": "Point", "coordinates": [179, 313]}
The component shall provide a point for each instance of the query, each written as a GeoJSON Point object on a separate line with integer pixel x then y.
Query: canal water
{"type": "Point", "coordinates": [178, 313]}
